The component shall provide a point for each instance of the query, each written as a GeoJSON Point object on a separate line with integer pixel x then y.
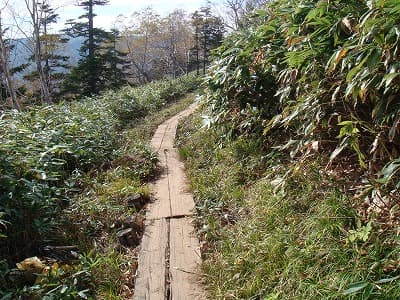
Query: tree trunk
{"type": "Point", "coordinates": [46, 61]}
{"type": "Point", "coordinates": [197, 51]}
{"type": "Point", "coordinates": [91, 49]}
{"type": "Point", "coordinates": [144, 60]}
{"type": "Point", "coordinates": [6, 70]}
{"type": "Point", "coordinates": [36, 21]}
{"type": "Point", "coordinates": [91, 35]}
{"type": "Point", "coordinates": [137, 65]}
{"type": "Point", "coordinates": [173, 51]}
{"type": "Point", "coordinates": [204, 52]}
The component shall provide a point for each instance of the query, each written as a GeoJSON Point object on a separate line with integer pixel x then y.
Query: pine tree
{"type": "Point", "coordinates": [85, 77]}
{"type": "Point", "coordinates": [117, 65]}
{"type": "Point", "coordinates": [55, 64]}
{"type": "Point", "coordinates": [101, 65]}
{"type": "Point", "coordinates": [209, 32]}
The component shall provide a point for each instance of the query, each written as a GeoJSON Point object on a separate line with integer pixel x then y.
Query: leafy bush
{"type": "Point", "coordinates": [320, 77]}
{"type": "Point", "coordinates": [315, 74]}
{"type": "Point", "coordinates": [130, 104]}
{"type": "Point", "coordinates": [45, 151]}
{"type": "Point", "coordinates": [42, 153]}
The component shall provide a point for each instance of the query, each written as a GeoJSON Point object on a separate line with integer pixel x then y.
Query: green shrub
{"type": "Point", "coordinates": [315, 73]}
{"type": "Point", "coordinates": [44, 152]}
{"type": "Point", "coordinates": [317, 78]}
{"type": "Point", "coordinates": [130, 104]}
{"type": "Point", "coordinates": [265, 240]}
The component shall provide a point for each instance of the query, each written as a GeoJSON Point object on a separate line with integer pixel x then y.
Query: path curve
{"type": "Point", "coordinates": [169, 257]}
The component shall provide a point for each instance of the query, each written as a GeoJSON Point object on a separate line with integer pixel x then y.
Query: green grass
{"type": "Point", "coordinates": [297, 240]}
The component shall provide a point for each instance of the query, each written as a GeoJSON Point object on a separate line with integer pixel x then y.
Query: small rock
{"type": "Point", "coordinates": [131, 222]}
{"type": "Point", "coordinates": [128, 237]}
{"type": "Point", "coordinates": [32, 264]}
{"type": "Point", "coordinates": [137, 201]}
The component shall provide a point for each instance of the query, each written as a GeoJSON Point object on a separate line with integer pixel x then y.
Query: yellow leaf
{"type": "Point", "coordinates": [54, 268]}
{"type": "Point", "coordinates": [342, 53]}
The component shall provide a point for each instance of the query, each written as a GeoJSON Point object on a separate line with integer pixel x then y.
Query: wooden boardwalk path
{"type": "Point", "coordinates": [170, 253]}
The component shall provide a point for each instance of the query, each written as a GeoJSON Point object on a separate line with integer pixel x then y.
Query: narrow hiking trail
{"type": "Point", "coordinates": [170, 252]}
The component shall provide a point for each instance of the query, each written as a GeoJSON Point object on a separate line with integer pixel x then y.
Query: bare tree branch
{"type": "Point", "coordinates": [4, 59]}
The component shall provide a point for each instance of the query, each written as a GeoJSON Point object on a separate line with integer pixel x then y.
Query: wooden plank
{"type": "Point", "coordinates": [158, 137]}
{"type": "Point", "coordinates": [160, 207]}
{"type": "Point", "coordinates": [150, 278]}
{"type": "Point", "coordinates": [184, 261]}
{"type": "Point", "coordinates": [182, 203]}
{"type": "Point", "coordinates": [168, 142]}
{"type": "Point", "coordinates": [169, 128]}
{"type": "Point", "coordinates": [168, 229]}
{"type": "Point", "coordinates": [170, 194]}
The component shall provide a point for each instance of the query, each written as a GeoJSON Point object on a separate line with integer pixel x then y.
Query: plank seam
{"type": "Point", "coordinates": [167, 283]}
{"type": "Point", "coordinates": [168, 180]}
{"type": "Point", "coordinates": [164, 134]}
{"type": "Point", "coordinates": [171, 217]}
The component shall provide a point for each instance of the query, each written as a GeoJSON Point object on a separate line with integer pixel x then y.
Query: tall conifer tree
{"type": "Point", "coordinates": [101, 65]}
{"type": "Point", "coordinates": [86, 77]}
{"type": "Point", "coordinates": [209, 32]}
{"type": "Point", "coordinates": [117, 65]}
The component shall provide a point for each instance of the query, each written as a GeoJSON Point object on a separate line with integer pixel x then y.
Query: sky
{"type": "Point", "coordinates": [107, 15]}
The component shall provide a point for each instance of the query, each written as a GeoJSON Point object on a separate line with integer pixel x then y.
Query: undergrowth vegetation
{"type": "Point", "coordinates": [316, 75]}
{"type": "Point", "coordinates": [74, 174]}
{"type": "Point", "coordinates": [265, 240]}
{"type": "Point", "coordinates": [302, 106]}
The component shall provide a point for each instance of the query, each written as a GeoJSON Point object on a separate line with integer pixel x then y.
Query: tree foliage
{"type": "Point", "coordinates": [7, 85]}
{"type": "Point", "coordinates": [157, 46]}
{"type": "Point", "coordinates": [101, 65]}
{"type": "Point", "coordinates": [54, 63]}
{"type": "Point", "coordinates": [238, 11]}
{"type": "Point", "coordinates": [208, 34]}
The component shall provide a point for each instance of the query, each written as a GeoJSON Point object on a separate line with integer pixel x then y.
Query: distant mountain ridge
{"type": "Point", "coordinates": [22, 51]}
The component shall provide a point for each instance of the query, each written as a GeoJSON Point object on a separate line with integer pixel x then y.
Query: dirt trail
{"type": "Point", "coordinates": [170, 253]}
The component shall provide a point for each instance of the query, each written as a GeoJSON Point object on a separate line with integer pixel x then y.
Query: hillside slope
{"type": "Point", "coordinates": [73, 186]}
{"type": "Point", "coordinates": [296, 179]}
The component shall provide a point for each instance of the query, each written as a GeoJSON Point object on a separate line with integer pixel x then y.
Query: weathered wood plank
{"type": "Point", "coordinates": [158, 136]}
{"type": "Point", "coordinates": [161, 205]}
{"type": "Point", "coordinates": [150, 278]}
{"type": "Point", "coordinates": [168, 227]}
{"type": "Point", "coordinates": [184, 261]}
{"type": "Point", "coordinates": [182, 203]}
